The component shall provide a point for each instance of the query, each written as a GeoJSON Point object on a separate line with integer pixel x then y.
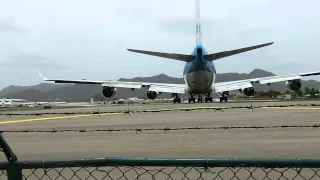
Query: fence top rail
{"type": "Point", "coordinates": [266, 163]}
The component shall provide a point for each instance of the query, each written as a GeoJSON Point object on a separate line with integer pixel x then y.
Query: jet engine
{"type": "Point", "coordinates": [294, 85]}
{"type": "Point", "coordinates": [109, 91]}
{"type": "Point", "coordinates": [248, 91]}
{"type": "Point", "coordinates": [152, 94]}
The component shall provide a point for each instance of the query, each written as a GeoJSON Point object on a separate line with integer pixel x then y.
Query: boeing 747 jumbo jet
{"type": "Point", "coordinates": [199, 75]}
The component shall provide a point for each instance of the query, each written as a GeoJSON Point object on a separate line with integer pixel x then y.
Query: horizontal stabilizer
{"type": "Point", "coordinates": [215, 56]}
{"type": "Point", "coordinates": [310, 73]}
{"type": "Point", "coordinates": [180, 57]}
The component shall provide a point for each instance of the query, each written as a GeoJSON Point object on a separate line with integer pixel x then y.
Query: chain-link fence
{"type": "Point", "coordinates": [162, 169]}
{"type": "Point", "coordinates": [3, 174]}
{"type": "Point", "coordinates": [172, 173]}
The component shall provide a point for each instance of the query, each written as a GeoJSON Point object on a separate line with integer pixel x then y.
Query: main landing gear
{"type": "Point", "coordinates": [208, 98]}
{"type": "Point", "coordinates": [176, 98]}
{"type": "Point", "coordinates": [191, 99]}
{"type": "Point", "coordinates": [224, 97]}
{"type": "Point", "coordinates": [199, 98]}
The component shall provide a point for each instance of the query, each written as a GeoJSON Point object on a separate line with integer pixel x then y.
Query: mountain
{"type": "Point", "coordinates": [81, 92]}
{"type": "Point", "coordinates": [161, 78]}
{"type": "Point", "coordinates": [42, 87]}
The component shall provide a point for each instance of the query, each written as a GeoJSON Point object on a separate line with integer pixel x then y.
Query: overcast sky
{"type": "Point", "coordinates": [88, 39]}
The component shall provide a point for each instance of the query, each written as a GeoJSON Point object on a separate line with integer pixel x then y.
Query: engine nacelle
{"type": "Point", "coordinates": [109, 91]}
{"type": "Point", "coordinates": [294, 85]}
{"type": "Point", "coordinates": [152, 94]}
{"type": "Point", "coordinates": [248, 91]}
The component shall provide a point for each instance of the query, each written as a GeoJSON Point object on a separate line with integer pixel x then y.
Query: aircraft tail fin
{"type": "Point", "coordinates": [179, 57]}
{"type": "Point", "coordinates": [223, 54]}
{"type": "Point", "coordinates": [198, 24]}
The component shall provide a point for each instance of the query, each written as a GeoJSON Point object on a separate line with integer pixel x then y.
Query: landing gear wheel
{"type": "Point", "coordinates": [191, 100]}
{"type": "Point", "coordinates": [224, 96]}
{"type": "Point", "coordinates": [208, 98]}
{"type": "Point", "coordinates": [176, 100]}
{"type": "Point", "coordinates": [200, 100]}
{"type": "Point", "coordinates": [225, 99]}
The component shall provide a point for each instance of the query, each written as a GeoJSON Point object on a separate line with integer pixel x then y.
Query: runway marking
{"type": "Point", "coordinates": [86, 115]}
{"type": "Point", "coordinates": [116, 113]}
{"type": "Point", "coordinates": [52, 118]}
{"type": "Point", "coordinates": [293, 108]}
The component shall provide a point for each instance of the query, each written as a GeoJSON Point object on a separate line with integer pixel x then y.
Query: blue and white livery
{"type": "Point", "coordinates": [199, 75]}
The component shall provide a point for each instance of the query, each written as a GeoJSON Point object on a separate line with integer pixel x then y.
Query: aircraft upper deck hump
{"type": "Point", "coordinates": [198, 24]}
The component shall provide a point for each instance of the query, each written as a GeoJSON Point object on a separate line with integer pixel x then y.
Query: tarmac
{"type": "Point", "coordinates": [200, 132]}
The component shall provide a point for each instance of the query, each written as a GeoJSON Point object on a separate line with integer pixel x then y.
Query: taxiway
{"type": "Point", "coordinates": [142, 135]}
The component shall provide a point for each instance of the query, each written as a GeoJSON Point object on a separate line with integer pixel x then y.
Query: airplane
{"type": "Point", "coordinates": [13, 102]}
{"type": "Point", "coordinates": [199, 75]}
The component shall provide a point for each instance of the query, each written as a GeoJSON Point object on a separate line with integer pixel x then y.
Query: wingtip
{"type": "Point", "coordinates": [267, 44]}
{"type": "Point", "coordinates": [42, 76]}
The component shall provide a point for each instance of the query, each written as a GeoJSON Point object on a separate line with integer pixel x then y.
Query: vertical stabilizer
{"type": "Point", "coordinates": [198, 24]}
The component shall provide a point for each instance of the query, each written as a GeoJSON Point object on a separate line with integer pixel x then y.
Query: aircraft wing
{"type": "Point", "coordinates": [246, 83]}
{"type": "Point", "coordinates": [160, 87]}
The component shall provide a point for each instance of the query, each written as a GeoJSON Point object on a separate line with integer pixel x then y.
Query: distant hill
{"type": "Point", "coordinates": [161, 78]}
{"type": "Point", "coordinates": [80, 92]}
{"type": "Point", "coordinates": [42, 87]}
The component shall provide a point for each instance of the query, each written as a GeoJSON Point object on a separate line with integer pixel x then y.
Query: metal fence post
{"type": "Point", "coordinates": [13, 171]}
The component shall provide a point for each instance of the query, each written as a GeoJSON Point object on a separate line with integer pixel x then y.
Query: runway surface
{"type": "Point", "coordinates": [142, 134]}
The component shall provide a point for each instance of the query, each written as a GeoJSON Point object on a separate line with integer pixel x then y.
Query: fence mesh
{"type": "Point", "coordinates": [3, 174]}
{"type": "Point", "coordinates": [171, 173]}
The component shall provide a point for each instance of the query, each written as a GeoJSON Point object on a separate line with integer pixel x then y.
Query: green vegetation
{"type": "Point", "coordinates": [306, 94]}
{"type": "Point", "coordinates": [268, 94]}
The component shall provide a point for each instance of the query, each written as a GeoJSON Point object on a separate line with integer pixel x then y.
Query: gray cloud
{"type": "Point", "coordinates": [31, 61]}
{"type": "Point", "coordinates": [92, 37]}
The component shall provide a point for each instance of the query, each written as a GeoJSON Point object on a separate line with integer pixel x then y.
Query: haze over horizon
{"type": "Point", "coordinates": [77, 39]}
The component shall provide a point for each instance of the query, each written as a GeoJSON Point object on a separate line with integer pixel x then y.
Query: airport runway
{"type": "Point", "coordinates": [294, 142]}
